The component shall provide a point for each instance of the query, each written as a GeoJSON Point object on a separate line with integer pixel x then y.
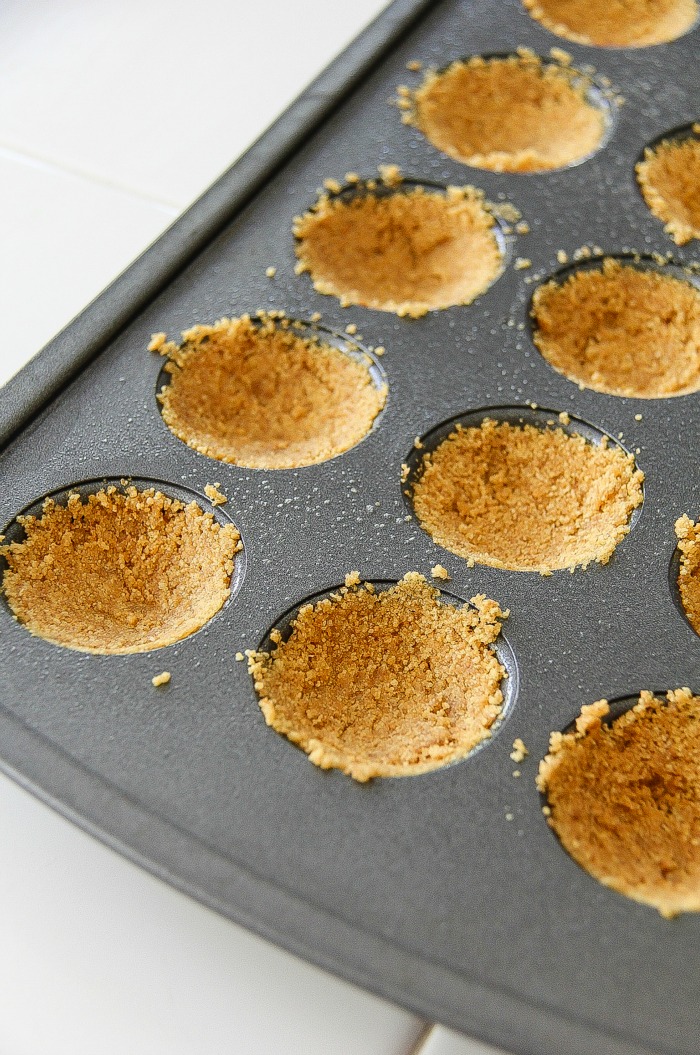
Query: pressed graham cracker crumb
{"type": "Point", "coordinates": [214, 495]}
{"type": "Point", "coordinates": [669, 178]}
{"type": "Point", "coordinates": [526, 499]}
{"type": "Point", "coordinates": [124, 571]}
{"type": "Point", "coordinates": [388, 683]}
{"type": "Point", "coordinates": [624, 798]}
{"type": "Point", "coordinates": [409, 251]}
{"type": "Point", "coordinates": [262, 395]}
{"type": "Point", "coordinates": [512, 114]}
{"type": "Point", "coordinates": [161, 679]}
{"type": "Point", "coordinates": [688, 535]}
{"type": "Point", "coordinates": [615, 23]}
{"type": "Point", "coordinates": [621, 330]}
{"type": "Point", "coordinates": [439, 572]}
{"type": "Point", "coordinates": [519, 752]}
{"type": "Point", "coordinates": [157, 341]}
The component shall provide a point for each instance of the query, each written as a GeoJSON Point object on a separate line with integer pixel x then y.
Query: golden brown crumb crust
{"type": "Point", "coordinates": [408, 252]}
{"type": "Point", "coordinates": [669, 178]}
{"type": "Point", "coordinates": [513, 114]}
{"type": "Point", "coordinates": [621, 330]}
{"type": "Point", "coordinates": [526, 499]}
{"type": "Point", "coordinates": [265, 396]}
{"type": "Point", "coordinates": [624, 798]}
{"type": "Point", "coordinates": [615, 23]}
{"type": "Point", "coordinates": [688, 535]}
{"type": "Point", "coordinates": [124, 571]}
{"type": "Point", "coordinates": [381, 684]}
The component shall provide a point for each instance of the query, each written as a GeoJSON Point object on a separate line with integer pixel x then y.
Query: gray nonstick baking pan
{"type": "Point", "coordinates": [446, 892]}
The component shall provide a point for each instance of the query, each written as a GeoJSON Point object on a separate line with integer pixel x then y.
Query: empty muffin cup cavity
{"type": "Point", "coordinates": [623, 796]}
{"type": "Point", "coordinates": [116, 569]}
{"type": "Point", "coordinates": [399, 246]}
{"type": "Point", "coordinates": [625, 327]}
{"type": "Point", "coordinates": [269, 393]}
{"type": "Point", "coordinates": [616, 23]}
{"type": "Point", "coordinates": [384, 680]}
{"type": "Point", "coordinates": [524, 490]}
{"type": "Point", "coordinates": [669, 179]}
{"type": "Point", "coordinates": [514, 113]}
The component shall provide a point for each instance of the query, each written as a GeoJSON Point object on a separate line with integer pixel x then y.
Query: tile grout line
{"type": "Point", "coordinates": [39, 161]}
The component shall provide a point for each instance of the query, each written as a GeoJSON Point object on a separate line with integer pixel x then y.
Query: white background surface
{"type": "Point", "coordinates": [114, 116]}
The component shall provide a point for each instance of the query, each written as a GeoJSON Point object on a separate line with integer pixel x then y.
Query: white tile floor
{"type": "Point", "coordinates": [114, 116]}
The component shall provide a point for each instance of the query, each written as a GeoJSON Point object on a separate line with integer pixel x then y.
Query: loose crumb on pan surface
{"type": "Point", "coordinates": [161, 679]}
{"type": "Point", "coordinates": [615, 23]}
{"type": "Point", "coordinates": [519, 752]}
{"type": "Point", "coordinates": [406, 252]}
{"type": "Point", "coordinates": [621, 330]}
{"type": "Point", "coordinates": [384, 683]}
{"type": "Point", "coordinates": [262, 395]}
{"type": "Point", "coordinates": [669, 178]}
{"type": "Point", "coordinates": [439, 572]}
{"type": "Point", "coordinates": [214, 495]}
{"type": "Point", "coordinates": [688, 535]}
{"type": "Point", "coordinates": [124, 571]}
{"type": "Point", "coordinates": [526, 499]}
{"type": "Point", "coordinates": [624, 798]}
{"type": "Point", "coordinates": [508, 114]}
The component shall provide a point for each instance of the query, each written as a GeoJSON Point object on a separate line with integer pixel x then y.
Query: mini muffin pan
{"type": "Point", "coordinates": [446, 892]}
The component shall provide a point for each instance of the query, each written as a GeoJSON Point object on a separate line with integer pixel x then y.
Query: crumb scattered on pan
{"type": "Point", "coordinates": [260, 394]}
{"type": "Point", "coordinates": [688, 535]}
{"type": "Point", "coordinates": [522, 263]}
{"type": "Point", "coordinates": [405, 470]}
{"type": "Point", "coordinates": [239, 657]}
{"type": "Point", "coordinates": [438, 572]}
{"type": "Point", "coordinates": [351, 328]}
{"type": "Point", "coordinates": [352, 578]}
{"type": "Point", "coordinates": [507, 114]}
{"type": "Point", "coordinates": [669, 178]}
{"type": "Point", "coordinates": [414, 65]}
{"type": "Point", "coordinates": [516, 773]}
{"type": "Point", "coordinates": [161, 679]}
{"type": "Point", "coordinates": [384, 683]}
{"type": "Point", "coordinates": [637, 417]}
{"type": "Point", "coordinates": [214, 495]}
{"type": "Point", "coordinates": [526, 499]}
{"type": "Point", "coordinates": [615, 23]}
{"type": "Point", "coordinates": [270, 272]}
{"type": "Point", "coordinates": [519, 752]}
{"type": "Point", "coordinates": [408, 251]}
{"type": "Point", "coordinates": [562, 256]}
{"type": "Point", "coordinates": [621, 330]}
{"type": "Point", "coordinates": [624, 798]}
{"type": "Point", "coordinates": [564, 418]}
{"type": "Point", "coordinates": [379, 350]}
{"type": "Point", "coordinates": [124, 571]}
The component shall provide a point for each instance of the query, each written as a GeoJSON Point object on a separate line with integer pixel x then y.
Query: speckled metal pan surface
{"type": "Point", "coordinates": [421, 888]}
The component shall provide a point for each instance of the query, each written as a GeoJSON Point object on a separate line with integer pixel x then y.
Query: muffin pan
{"type": "Point", "coordinates": [446, 892]}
